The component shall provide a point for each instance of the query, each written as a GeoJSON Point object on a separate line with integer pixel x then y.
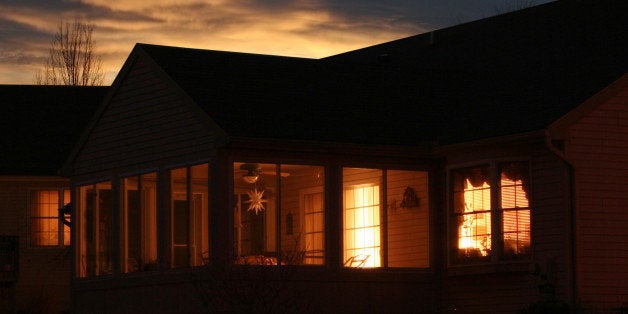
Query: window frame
{"type": "Point", "coordinates": [279, 221]}
{"type": "Point", "coordinates": [146, 198]}
{"type": "Point", "coordinates": [387, 205]}
{"type": "Point", "coordinates": [80, 228]}
{"type": "Point", "coordinates": [497, 254]}
{"type": "Point", "coordinates": [303, 225]}
{"type": "Point", "coordinates": [194, 245]}
{"type": "Point", "coordinates": [375, 225]}
{"type": "Point", "coordinates": [61, 239]}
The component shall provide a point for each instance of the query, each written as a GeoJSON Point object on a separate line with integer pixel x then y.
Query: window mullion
{"type": "Point", "coordinates": [60, 227]}
{"type": "Point", "coordinates": [384, 219]}
{"type": "Point", "coordinates": [278, 212]}
{"type": "Point", "coordinates": [190, 202]}
{"type": "Point", "coordinates": [496, 214]}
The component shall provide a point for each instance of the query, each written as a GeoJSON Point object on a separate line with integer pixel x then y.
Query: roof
{"type": "Point", "coordinates": [261, 96]}
{"type": "Point", "coordinates": [503, 75]}
{"type": "Point", "coordinates": [40, 124]}
{"type": "Point", "coordinates": [515, 72]}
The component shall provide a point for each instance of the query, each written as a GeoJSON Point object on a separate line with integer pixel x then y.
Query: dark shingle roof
{"type": "Point", "coordinates": [519, 71]}
{"type": "Point", "coordinates": [503, 75]}
{"type": "Point", "coordinates": [40, 124]}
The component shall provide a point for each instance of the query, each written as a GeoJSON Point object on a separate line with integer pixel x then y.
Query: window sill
{"type": "Point", "coordinates": [488, 268]}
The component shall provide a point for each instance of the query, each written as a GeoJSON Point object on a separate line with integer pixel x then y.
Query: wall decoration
{"type": "Point", "coordinates": [409, 199]}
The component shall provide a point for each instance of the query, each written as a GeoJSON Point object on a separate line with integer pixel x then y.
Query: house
{"type": "Point", "coordinates": [38, 127]}
{"type": "Point", "coordinates": [475, 169]}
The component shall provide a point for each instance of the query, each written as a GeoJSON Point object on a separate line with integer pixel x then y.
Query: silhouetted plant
{"type": "Point", "coordinates": [237, 288]}
{"type": "Point", "coordinates": [547, 307]}
{"type": "Point", "coordinates": [71, 59]}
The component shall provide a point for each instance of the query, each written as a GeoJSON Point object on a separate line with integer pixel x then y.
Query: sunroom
{"type": "Point", "coordinates": [280, 213]}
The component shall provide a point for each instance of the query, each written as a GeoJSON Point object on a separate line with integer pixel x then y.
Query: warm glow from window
{"type": "Point", "coordinates": [362, 227]}
{"type": "Point", "coordinates": [475, 229]}
{"type": "Point", "coordinates": [314, 223]}
{"type": "Point", "coordinates": [516, 217]}
{"type": "Point", "coordinates": [66, 229]}
{"type": "Point", "coordinates": [491, 220]}
{"type": "Point", "coordinates": [95, 241]}
{"type": "Point", "coordinates": [286, 224]}
{"type": "Point", "coordinates": [44, 218]}
{"type": "Point", "coordinates": [139, 228]}
{"type": "Point", "coordinates": [45, 227]}
{"type": "Point", "coordinates": [189, 216]}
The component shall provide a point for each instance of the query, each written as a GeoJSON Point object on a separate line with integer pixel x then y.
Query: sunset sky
{"type": "Point", "coordinates": [302, 28]}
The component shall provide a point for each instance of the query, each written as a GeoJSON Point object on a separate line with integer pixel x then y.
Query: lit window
{"type": "Point", "coordinates": [385, 218]}
{"type": "Point", "coordinates": [268, 232]}
{"type": "Point", "coordinates": [516, 209]}
{"type": "Point", "coordinates": [362, 227]}
{"type": "Point", "coordinates": [45, 227]}
{"type": "Point", "coordinates": [313, 215]}
{"type": "Point", "coordinates": [139, 229]}
{"type": "Point", "coordinates": [189, 216]}
{"type": "Point", "coordinates": [95, 242]}
{"type": "Point", "coordinates": [475, 216]}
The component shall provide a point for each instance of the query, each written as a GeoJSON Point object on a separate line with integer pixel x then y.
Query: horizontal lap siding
{"type": "Point", "coordinates": [551, 221]}
{"type": "Point", "coordinates": [508, 287]}
{"type": "Point", "coordinates": [309, 291]}
{"type": "Point", "coordinates": [598, 147]}
{"type": "Point", "coordinates": [146, 123]}
{"type": "Point", "coordinates": [489, 293]}
{"type": "Point", "coordinates": [44, 272]}
{"type": "Point", "coordinates": [408, 228]}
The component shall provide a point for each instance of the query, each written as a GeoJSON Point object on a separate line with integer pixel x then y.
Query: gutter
{"type": "Point", "coordinates": [572, 212]}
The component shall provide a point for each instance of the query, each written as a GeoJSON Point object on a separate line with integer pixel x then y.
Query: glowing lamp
{"type": "Point", "coordinates": [252, 172]}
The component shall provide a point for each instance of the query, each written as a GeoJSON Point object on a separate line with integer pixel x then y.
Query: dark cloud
{"type": "Point", "coordinates": [20, 43]}
{"type": "Point", "coordinates": [429, 14]}
{"type": "Point", "coordinates": [14, 32]}
{"type": "Point", "coordinates": [53, 6]}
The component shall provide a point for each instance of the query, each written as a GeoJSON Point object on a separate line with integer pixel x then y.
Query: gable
{"type": "Point", "coordinates": [559, 130]}
{"type": "Point", "coordinates": [147, 121]}
{"type": "Point", "coordinates": [596, 142]}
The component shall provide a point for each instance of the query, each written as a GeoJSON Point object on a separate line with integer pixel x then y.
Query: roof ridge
{"type": "Point", "coordinates": [203, 50]}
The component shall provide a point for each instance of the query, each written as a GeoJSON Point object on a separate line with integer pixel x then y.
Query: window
{"type": "Point", "coordinates": [45, 227]}
{"type": "Point", "coordinates": [515, 207]}
{"type": "Point", "coordinates": [312, 215]}
{"type": "Point", "coordinates": [279, 214]}
{"type": "Point", "coordinates": [139, 228]}
{"type": "Point", "coordinates": [362, 227]}
{"type": "Point", "coordinates": [385, 218]}
{"type": "Point", "coordinates": [95, 243]}
{"type": "Point", "coordinates": [491, 213]}
{"type": "Point", "coordinates": [189, 216]}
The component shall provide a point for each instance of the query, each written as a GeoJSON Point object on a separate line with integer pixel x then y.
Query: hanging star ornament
{"type": "Point", "coordinates": [255, 201]}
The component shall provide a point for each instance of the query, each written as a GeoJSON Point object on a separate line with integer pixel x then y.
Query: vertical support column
{"type": "Point", "coordinates": [333, 216]}
{"type": "Point", "coordinates": [163, 219]}
{"type": "Point", "coordinates": [221, 209]}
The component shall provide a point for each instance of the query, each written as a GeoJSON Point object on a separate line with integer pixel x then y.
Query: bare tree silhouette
{"type": "Point", "coordinates": [71, 59]}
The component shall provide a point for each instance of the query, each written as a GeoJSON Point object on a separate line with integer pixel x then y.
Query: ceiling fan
{"type": "Point", "coordinates": [251, 172]}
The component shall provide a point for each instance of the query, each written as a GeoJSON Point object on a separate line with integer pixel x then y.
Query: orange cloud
{"type": "Point", "coordinates": [295, 28]}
